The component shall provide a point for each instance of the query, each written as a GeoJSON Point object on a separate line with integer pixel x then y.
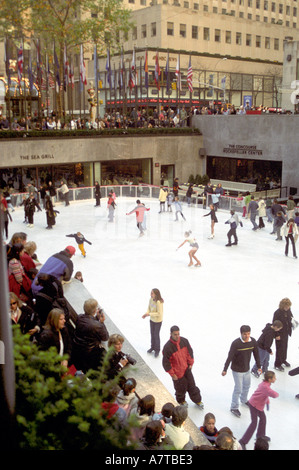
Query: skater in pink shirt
{"type": "Point", "coordinates": [257, 403]}
{"type": "Point", "coordinates": [140, 210]}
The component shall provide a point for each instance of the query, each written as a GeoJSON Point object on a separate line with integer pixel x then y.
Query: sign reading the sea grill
{"type": "Point", "coordinates": [43, 156]}
{"type": "Point", "coordinates": [242, 150]}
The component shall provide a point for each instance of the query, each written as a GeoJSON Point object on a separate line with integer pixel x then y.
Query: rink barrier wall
{"type": "Point", "coordinates": [147, 382]}
{"type": "Point", "coordinates": [226, 202]}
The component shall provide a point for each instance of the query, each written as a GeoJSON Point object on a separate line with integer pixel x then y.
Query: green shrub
{"type": "Point", "coordinates": [58, 412]}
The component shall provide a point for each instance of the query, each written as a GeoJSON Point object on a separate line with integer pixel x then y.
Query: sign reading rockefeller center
{"type": "Point", "coordinates": [242, 150]}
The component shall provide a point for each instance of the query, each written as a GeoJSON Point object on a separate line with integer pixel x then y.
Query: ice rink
{"type": "Point", "coordinates": [236, 285]}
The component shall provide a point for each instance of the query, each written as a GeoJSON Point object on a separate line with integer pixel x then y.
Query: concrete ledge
{"type": "Point", "coordinates": [147, 382]}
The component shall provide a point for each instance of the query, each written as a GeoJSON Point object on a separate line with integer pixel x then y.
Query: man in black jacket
{"type": "Point", "coordinates": [88, 350]}
{"type": "Point", "coordinates": [239, 356]}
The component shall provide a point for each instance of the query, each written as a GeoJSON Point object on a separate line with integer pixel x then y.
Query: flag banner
{"type": "Point", "coordinates": [122, 70]}
{"type": "Point", "coordinates": [30, 73]}
{"type": "Point", "coordinates": [66, 67]}
{"type": "Point", "coordinates": [146, 70]}
{"type": "Point", "coordinates": [190, 76]}
{"type": "Point", "coordinates": [178, 74]}
{"type": "Point", "coordinates": [157, 71]}
{"type": "Point", "coordinates": [167, 74]}
{"type": "Point", "coordinates": [223, 82]}
{"type": "Point", "coordinates": [6, 52]}
{"type": "Point", "coordinates": [56, 65]}
{"type": "Point", "coordinates": [39, 70]}
{"type": "Point", "coordinates": [71, 75]}
{"type": "Point", "coordinates": [20, 62]}
{"type": "Point", "coordinates": [108, 69]}
{"type": "Point", "coordinates": [133, 72]}
{"type": "Point", "coordinates": [82, 67]}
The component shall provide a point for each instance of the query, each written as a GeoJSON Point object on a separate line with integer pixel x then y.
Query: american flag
{"type": "Point", "coordinates": [20, 62]}
{"type": "Point", "coordinates": [189, 76]}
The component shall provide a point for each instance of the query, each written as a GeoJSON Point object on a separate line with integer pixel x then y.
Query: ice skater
{"type": "Point", "coordinates": [155, 312]}
{"type": "Point", "coordinates": [234, 222]}
{"type": "Point", "coordinates": [194, 247]}
{"type": "Point", "coordinates": [239, 356]}
{"type": "Point", "coordinates": [80, 239]}
{"type": "Point", "coordinates": [214, 219]}
{"type": "Point", "coordinates": [162, 199]}
{"type": "Point", "coordinates": [169, 199]}
{"type": "Point", "coordinates": [178, 209]}
{"type": "Point", "coordinates": [140, 210]}
{"type": "Point", "coordinates": [257, 403]}
{"type": "Point", "coordinates": [290, 232]}
{"type": "Point", "coordinates": [111, 207]}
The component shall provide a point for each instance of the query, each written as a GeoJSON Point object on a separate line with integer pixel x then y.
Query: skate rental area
{"type": "Point", "coordinates": [235, 285]}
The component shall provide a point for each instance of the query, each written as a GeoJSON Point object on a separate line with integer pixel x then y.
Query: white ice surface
{"type": "Point", "coordinates": [238, 285]}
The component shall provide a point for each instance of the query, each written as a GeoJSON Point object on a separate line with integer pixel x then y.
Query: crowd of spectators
{"type": "Point", "coordinates": [134, 118]}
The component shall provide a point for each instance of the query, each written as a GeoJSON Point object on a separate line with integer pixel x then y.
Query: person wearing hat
{"type": "Point", "coordinates": [59, 265]}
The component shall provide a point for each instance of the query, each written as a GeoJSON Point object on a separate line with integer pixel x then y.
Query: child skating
{"type": "Point", "coordinates": [194, 247]}
{"type": "Point", "coordinates": [256, 404]}
{"type": "Point", "coordinates": [80, 239]}
{"type": "Point", "coordinates": [178, 209]}
{"type": "Point", "coordinates": [214, 219]}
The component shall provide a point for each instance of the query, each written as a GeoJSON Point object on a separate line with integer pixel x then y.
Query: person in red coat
{"type": "Point", "coordinates": [178, 361]}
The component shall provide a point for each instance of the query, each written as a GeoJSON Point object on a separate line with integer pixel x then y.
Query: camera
{"type": "Point", "coordinates": [130, 359]}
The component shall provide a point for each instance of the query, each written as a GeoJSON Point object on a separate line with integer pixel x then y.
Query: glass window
{"type": "Point", "coordinates": [194, 32]}
{"type": "Point", "coordinates": [153, 29]}
{"type": "Point", "coordinates": [206, 34]}
{"type": "Point", "coordinates": [239, 39]}
{"type": "Point", "coordinates": [170, 29]}
{"type": "Point", "coordinates": [183, 30]}
{"type": "Point", "coordinates": [143, 30]}
{"type": "Point", "coordinates": [228, 37]}
{"type": "Point", "coordinates": [217, 35]}
{"type": "Point", "coordinates": [248, 39]}
{"type": "Point", "coordinates": [276, 44]}
{"type": "Point", "coordinates": [267, 43]}
{"type": "Point", "coordinates": [258, 40]}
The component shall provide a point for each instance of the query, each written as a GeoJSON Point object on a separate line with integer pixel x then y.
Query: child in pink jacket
{"type": "Point", "coordinates": [257, 403]}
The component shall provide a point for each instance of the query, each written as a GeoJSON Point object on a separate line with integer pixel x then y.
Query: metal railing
{"type": "Point", "coordinates": [226, 203]}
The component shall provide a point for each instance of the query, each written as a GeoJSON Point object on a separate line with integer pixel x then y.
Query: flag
{"type": "Point", "coordinates": [82, 67]}
{"type": "Point", "coordinates": [6, 52]}
{"type": "Point", "coordinates": [20, 62]}
{"type": "Point", "coordinates": [56, 65]}
{"type": "Point", "coordinates": [66, 67]}
{"type": "Point", "coordinates": [122, 69]}
{"type": "Point", "coordinates": [146, 70]}
{"type": "Point", "coordinates": [167, 74]}
{"type": "Point", "coordinates": [108, 68]}
{"type": "Point", "coordinates": [30, 73]}
{"type": "Point", "coordinates": [223, 82]}
{"type": "Point", "coordinates": [133, 72]}
{"type": "Point", "coordinates": [178, 74]}
{"type": "Point", "coordinates": [189, 76]}
{"type": "Point", "coordinates": [157, 71]}
{"type": "Point", "coordinates": [39, 65]}
{"type": "Point", "coordinates": [71, 75]}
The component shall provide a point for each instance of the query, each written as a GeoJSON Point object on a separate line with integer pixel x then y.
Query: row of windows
{"type": "Point", "coordinates": [258, 4]}
{"type": "Point", "coordinates": [229, 37]}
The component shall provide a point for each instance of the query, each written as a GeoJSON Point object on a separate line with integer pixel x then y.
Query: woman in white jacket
{"type": "Point", "coordinates": [290, 231]}
{"type": "Point", "coordinates": [262, 212]}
